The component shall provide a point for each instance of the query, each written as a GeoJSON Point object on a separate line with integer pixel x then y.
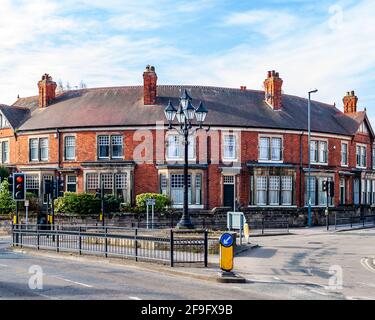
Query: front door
{"type": "Point", "coordinates": [229, 195]}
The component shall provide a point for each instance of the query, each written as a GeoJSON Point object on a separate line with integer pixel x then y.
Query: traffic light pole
{"type": "Point", "coordinates": [17, 222]}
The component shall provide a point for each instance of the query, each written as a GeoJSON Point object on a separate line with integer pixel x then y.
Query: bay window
{"type": "Point", "coordinates": [4, 152]}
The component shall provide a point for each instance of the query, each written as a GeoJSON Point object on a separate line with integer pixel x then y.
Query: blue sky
{"type": "Point", "coordinates": [327, 45]}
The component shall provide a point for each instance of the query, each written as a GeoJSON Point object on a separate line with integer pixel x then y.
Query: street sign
{"type": "Point", "coordinates": [150, 202]}
{"type": "Point", "coordinates": [226, 252]}
{"type": "Point", "coordinates": [226, 240]}
{"type": "Point", "coordinates": [235, 220]}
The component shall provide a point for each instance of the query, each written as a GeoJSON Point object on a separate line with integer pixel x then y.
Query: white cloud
{"type": "Point", "coordinates": [270, 23]}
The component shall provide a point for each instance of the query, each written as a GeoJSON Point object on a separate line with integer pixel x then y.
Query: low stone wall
{"type": "Point", "coordinates": [207, 218]}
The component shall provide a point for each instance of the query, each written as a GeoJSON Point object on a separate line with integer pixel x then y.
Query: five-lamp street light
{"type": "Point", "coordinates": [185, 115]}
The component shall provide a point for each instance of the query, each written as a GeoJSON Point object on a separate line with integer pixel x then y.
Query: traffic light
{"type": "Point", "coordinates": [19, 187]}
{"type": "Point", "coordinates": [325, 186]}
{"type": "Point", "coordinates": [98, 194]}
{"type": "Point", "coordinates": [331, 189]}
{"type": "Point", "coordinates": [59, 187]}
{"type": "Point", "coordinates": [10, 184]}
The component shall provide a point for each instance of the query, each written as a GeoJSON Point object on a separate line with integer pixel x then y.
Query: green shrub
{"type": "Point", "coordinates": [4, 173]}
{"type": "Point", "coordinates": [7, 204]}
{"type": "Point", "coordinates": [111, 203]}
{"type": "Point", "coordinates": [162, 201]}
{"type": "Point", "coordinates": [81, 204]}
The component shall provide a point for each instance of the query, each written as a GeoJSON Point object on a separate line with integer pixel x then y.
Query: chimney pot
{"type": "Point", "coordinates": [149, 85]}
{"type": "Point", "coordinates": [350, 102]}
{"type": "Point", "coordinates": [273, 94]}
{"type": "Point", "coordinates": [47, 90]}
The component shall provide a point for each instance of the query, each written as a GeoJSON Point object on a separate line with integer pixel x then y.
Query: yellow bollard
{"type": "Point", "coordinates": [246, 232]}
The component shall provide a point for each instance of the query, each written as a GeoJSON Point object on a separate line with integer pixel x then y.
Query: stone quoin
{"type": "Point", "coordinates": [255, 154]}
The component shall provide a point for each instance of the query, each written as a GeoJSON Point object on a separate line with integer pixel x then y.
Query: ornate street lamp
{"type": "Point", "coordinates": [185, 116]}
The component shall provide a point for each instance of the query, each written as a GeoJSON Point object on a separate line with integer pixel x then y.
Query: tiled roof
{"type": "Point", "coordinates": [123, 106]}
{"type": "Point", "coordinates": [15, 115]}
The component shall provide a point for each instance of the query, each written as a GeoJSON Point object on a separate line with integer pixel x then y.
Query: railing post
{"type": "Point", "coordinates": [57, 239]}
{"type": "Point", "coordinates": [205, 248]}
{"type": "Point", "coordinates": [21, 236]}
{"type": "Point", "coordinates": [106, 243]}
{"type": "Point", "coordinates": [351, 220]}
{"type": "Point", "coordinates": [80, 241]}
{"type": "Point", "coordinates": [136, 243]}
{"type": "Point", "coordinates": [171, 248]}
{"type": "Point", "coordinates": [37, 236]}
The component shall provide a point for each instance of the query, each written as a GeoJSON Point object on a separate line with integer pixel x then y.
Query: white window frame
{"type": "Point", "coordinates": [233, 158]}
{"type": "Point", "coordinates": [70, 182]}
{"type": "Point", "coordinates": [361, 146]}
{"type": "Point", "coordinates": [71, 146]}
{"type": "Point", "coordinates": [319, 159]}
{"type": "Point", "coordinates": [346, 164]}
{"type": "Point", "coordinates": [2, 144]}
{"type": "Point", "coordinates": [180, 147]}
{"type": "Point", "coordinates": [271, 138]}
{"type": "Point", "coordinates": [44, 147]}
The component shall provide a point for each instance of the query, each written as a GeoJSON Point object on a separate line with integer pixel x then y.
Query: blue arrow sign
{"type": "Point", "coordinates": [226, 240]}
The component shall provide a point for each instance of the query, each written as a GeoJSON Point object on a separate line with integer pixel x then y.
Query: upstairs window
{"type": "Point", "coordinates": [270, 149]}
{"type": "Point", "coordinates": [344, 154]}
{"type": "Point", "coordinates": [373, 158]}
{"type": "Point", "coordinates": [70, 147]}
{"type": "Point", "coordinates": [43, 146]}
{"type": "Point", "coordinates": [361, 156]}
{"type": "Point", "coordinates": [38, 149]}
{"type": "Point", "coordinates": [319, 151]}
{"type": "Point", "coordinates": [110, 147]}
{"type": "Point", "coordinates": [229, 147]}
{"type": "Point", "coordinates": [176, 148]}
{"type": "Point", "coordinates": [4, 152]}
{"type": "Point", "coordinates": [4, 122]}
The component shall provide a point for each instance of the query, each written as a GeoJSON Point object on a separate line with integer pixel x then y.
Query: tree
{"type": "Point", "coordinates": [7, 204]}
{"type": "Point", "coordinates": [60, 85]}
{"type": "Point", "coordinates": [82, 85]}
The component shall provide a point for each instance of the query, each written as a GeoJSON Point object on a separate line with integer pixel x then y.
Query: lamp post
{"type": "Point", "coordinates": [185, 117]}
{"type": "Point", "coordinates": [309, 155]}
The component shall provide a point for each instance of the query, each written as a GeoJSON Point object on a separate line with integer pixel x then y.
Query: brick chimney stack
{"type": "Point", "coordinates": [350, 102]}
{"type": "Point", "coordinates": [272, 88]}
{"type": "Point", "coordinates": [47, 90]}
{"type": "Point", "coordinates": [149, 85]}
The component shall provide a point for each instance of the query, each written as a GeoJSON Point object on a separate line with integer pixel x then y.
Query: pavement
{"type": "Point", "coordinates": [306, 264]}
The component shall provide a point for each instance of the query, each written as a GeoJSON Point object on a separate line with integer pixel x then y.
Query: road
{"type": "Point", "coordinates": [317, 257]}
{"type": "Point", "coordinates": [70, 279]}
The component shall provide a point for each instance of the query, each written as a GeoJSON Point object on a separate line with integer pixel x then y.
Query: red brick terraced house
{"type": "Point", "coordinates": [256, 150]}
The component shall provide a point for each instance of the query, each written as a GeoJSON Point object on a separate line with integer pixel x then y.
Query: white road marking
{"type": "Point", "coordinates": [3, 265]}
{"type": "Point", "coordinates": [75, 282]}
{"type": "Point", "coordinates": [134, 298]}
{"type": "Point", "coordinates": [366, 265]}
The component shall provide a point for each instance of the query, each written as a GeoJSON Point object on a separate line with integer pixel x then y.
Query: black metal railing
{"type": "Point", "coordinates": [166, 246]}
{"type": "Point", "coordinates": [353, 221]}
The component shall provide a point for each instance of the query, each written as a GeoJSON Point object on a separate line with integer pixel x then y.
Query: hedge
{"type": "Point", "coordinates": [162, 201]}
{"type": "Point", "coordinates": [78, 203]}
